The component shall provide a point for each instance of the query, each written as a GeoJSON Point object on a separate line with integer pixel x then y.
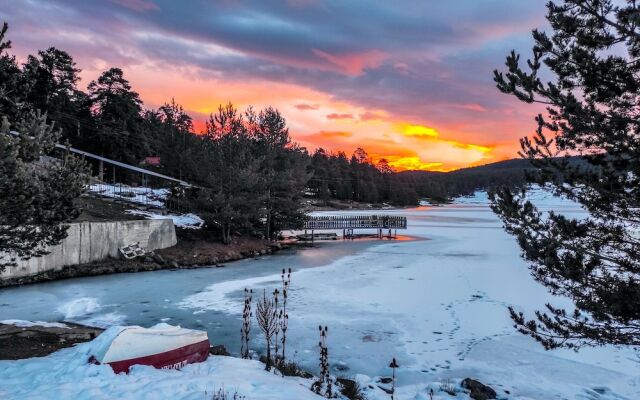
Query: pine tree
{"type": "Point", "coordinates": [384, 167]}
{"type": "Point", "coordinates": [117, 111]}
{"type": "Point", "coordinates": [50, 82]}
{"type": "Point", "coordinates": [230, 195]}
{"type": "Point", "coordinates": [37, 196]}
{"type": "Point", "coordinates": [283, 170]}
{"type": "Point", "coordinates": [592, 114]}
{"type": "Point", "coordinates": [169, 132]}
{"type": "Point", "coordinates": [51, 78]}
{"type": "Point", "coordinates": [11, 83]}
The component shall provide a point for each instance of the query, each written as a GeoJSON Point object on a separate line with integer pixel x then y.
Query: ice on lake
{"type": "Point", "coordinates": [436, 301]}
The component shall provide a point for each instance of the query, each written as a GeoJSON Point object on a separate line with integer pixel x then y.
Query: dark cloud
{"type": "Point", "coordinates": [138, 5]}
{"type": "Point", "coordinates": [420, 59]}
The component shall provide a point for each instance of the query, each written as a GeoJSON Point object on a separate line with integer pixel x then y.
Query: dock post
{"type": "Point", "coordinates": [344, 234]}
{"type": "Point", "coordinates": [312, 236]}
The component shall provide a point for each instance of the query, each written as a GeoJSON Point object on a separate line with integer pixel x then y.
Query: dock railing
{"type": "Point", "coordinates": [355, 222]}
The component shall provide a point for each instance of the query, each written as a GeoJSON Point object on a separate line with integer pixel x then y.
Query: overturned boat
{"type": "Point", "coordinates": [161, 346]}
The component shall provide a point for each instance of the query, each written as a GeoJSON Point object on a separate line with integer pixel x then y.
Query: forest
{"type": "Point", "coordinates": [250, 172]}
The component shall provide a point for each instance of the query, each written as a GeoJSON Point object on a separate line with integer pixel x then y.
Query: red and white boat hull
{"type": "Point", "coordinates": [172, 359]}
{"type": "Point", "coordinates": [162, 346]}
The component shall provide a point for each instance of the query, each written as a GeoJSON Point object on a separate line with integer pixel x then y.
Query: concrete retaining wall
{"type": "Point", "coordinates": [93, 241]}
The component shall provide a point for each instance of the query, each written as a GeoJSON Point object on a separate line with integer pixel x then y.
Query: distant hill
{"type": "Point", "coordinates": [440, 186]}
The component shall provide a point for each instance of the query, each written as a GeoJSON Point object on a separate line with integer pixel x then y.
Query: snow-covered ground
{"type": "Point", "coordinates": [185, 221]}
{"type": "Point", "coordinates": [140, 195]}
{"type": "Point", "coordinates": [438, 303]}
{"type": "Point", "coordinates": [149, 197]}
{"type": "Point", "coordinates": [27, 324]}
{"type": "Point", "coordinates": [67, 375]}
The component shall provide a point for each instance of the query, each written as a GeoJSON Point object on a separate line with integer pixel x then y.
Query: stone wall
{"type": "Point", "coordinates": [93, 241]}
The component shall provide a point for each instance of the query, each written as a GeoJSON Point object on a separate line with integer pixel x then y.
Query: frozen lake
{"type": "Point", "coordinates": [437, 302]}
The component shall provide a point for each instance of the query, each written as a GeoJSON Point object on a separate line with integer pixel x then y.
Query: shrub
{"type": "Point", "coordinates": [448, 387]}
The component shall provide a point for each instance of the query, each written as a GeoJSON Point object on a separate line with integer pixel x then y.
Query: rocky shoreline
{"type": "Point", "coordinates": [187, 254]}
{"type": "Point", "coordinates": [33, 340]}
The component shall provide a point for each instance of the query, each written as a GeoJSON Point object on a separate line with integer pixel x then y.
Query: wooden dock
{"type": "Point", "coordinates": [349, 223]}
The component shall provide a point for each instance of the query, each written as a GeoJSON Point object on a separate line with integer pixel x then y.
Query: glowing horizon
{"type": "Point", "coordinates": [421, 97]}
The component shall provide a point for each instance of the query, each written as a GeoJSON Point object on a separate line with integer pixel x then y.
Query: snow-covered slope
{"type": "Point", "coordinates": [67, 375]}
{"type": "Point", "coordinates": [185, 221]}
{"type": "Point", "coordinates": [140, 194]}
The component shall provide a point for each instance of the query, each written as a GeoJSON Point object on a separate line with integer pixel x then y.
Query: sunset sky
{"type": "Point", "coordinates": [410, 81]}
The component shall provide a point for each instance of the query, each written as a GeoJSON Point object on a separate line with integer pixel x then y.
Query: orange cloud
{"type": "Point", "coordinates": [372, 116]}
{"type": "Point", "coordinates": [353, 63]}
{"type": "Point", "coordinates": [406, 144]}
{"type": "Point", "coordinates": [418, 131]}
{"type": "Point", "coordinates": [334, 134]}
{"type": "Point", "coordinates": [414, 163]}
{"type": "Point", "coordinates": [482, 149]}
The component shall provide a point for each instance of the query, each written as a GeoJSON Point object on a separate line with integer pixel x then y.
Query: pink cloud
{"type": "Point", "coordinates": [305, 107]}
{"type": "Point", "coordinates": [354, 63]}
{"type": "Point", "coordinates": [339, 116]}
{"type": "Point", "coordinates": [402, 68]}
{"type": "Point", "coordinates": [371, 116]}
{"type": "Point", "coordinates": [471, 107]}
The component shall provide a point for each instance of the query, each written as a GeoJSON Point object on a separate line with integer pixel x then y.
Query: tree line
{"type": "Point", "coordinates": [251, 174]}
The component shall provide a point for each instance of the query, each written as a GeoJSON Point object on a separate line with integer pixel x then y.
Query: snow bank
{"type": "Point", "coordinates": [185, 221]}
{"type": "Point", "coordinates": [27, 324]}
{"type": "Point", "coordinates": [67, 375]}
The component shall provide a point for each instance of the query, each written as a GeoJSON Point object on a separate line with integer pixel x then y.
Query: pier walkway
{"type": "Point", "coordinates": [350, 223]}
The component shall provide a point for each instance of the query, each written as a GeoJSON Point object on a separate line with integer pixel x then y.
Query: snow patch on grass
{"type": "Point", "coordinates": [28, 324]}
{"type": "Point", "coordinates": [141, 195]}
{"type": "Point", "coordinates": [184, 221]}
